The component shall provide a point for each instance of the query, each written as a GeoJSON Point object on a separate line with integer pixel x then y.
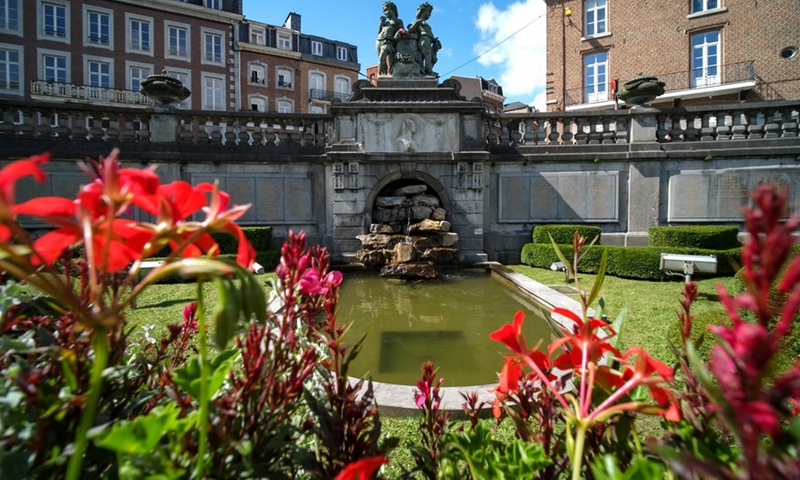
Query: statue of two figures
{"type": "Point", "coordinates": [410, 51]}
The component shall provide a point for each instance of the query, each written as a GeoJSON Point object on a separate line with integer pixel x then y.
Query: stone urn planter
{"type": "Point", "coordinates": [641, 90]}
{"type": "Point", "coordinates": [163, 89]}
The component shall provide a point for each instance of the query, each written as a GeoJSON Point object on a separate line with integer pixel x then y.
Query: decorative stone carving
{"type": "Point", "coordinates": [164, 89]}
{"type": "Point", "coordinates": [387, 29]}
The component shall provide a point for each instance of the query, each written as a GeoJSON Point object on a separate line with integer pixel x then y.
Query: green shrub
{"type": "Point", "coordinates": [711, 237]}
{"type": "Point", "coordinates": [259, 237]}
{"type": "Point", "coordinates": [562, 234]}
{"type": "Point", "coordinates": [627, 262]}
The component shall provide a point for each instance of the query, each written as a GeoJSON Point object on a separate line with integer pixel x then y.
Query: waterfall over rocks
{"type": "Point", "coordinates": [409, 235]}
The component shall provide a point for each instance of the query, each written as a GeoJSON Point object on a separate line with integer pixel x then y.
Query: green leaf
{"type": "Point", "coordinates": [141, 435]}
{"type": "Point", "coordinates": [598, 281]}
{"type": "Point", "coordinates": [561, 257]}
{"type": "Point", "coordinates": [189, 378]}
{"type": "Point", "coordinates": [226, 313]}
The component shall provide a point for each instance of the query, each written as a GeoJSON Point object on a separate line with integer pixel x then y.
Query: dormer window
{"type": "Point", "coordinates": [284, 41]}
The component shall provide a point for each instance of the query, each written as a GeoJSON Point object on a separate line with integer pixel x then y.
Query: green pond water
{"type": "Point", "coordinates": [446, 321]}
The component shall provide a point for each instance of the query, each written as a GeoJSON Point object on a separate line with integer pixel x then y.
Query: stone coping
{"type": "Point", "coordinates": [398, 400]}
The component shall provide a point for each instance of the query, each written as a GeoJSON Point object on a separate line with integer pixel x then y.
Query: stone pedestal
{"type": "Point", "coordinates": [644, 123]}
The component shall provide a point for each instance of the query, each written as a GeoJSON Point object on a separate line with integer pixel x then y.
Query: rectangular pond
{"type": "Point", "coordinates": [446, 321]}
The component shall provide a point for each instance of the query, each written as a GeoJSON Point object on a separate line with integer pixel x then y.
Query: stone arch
{"type": "Point", "coordinates": [411, 176]}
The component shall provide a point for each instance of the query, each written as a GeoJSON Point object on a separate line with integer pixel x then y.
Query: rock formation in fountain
{"type": "Point", "coordinates": [409, 235]}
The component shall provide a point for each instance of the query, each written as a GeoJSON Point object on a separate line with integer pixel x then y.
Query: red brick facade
{"type": "Point", "coordinates": [656, 38]}
{"type": "Point", "coordinates": [51, 53]}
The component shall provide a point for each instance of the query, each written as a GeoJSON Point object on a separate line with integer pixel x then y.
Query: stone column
{"type": "Point", "coordinates": [644, 123]}
{"type": "Point", "coordinates": [164, 124]}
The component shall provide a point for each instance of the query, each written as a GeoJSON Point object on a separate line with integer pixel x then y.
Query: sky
{"type": "Point", "coordinates": [500, 39]}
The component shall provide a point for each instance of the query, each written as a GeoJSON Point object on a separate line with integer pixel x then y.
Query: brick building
{"type": "Point", "coordinates": [706, 51]}
{"type": "Point", "coordinates": [98, 51]}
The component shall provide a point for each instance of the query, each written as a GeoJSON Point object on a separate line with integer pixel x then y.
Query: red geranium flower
{"type": "Point", "coordinates": [363, 469]}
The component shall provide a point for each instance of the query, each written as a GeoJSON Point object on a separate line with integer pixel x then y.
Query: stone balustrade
{"type": "Point", "coordinates": [55, 122]}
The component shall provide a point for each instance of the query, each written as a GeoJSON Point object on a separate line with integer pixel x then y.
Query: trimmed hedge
{"type": "Point", "coordinates": [711, 237]}
{"type": "Point", "coordinates": [563, 234]}
{"type": "Point", "coordinates": [259, 237]}
{"type": "Point", "coordinates": [627, 262]}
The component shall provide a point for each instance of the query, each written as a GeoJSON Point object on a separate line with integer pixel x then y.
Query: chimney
{"type": "Point", "coordinates": [292, 21]}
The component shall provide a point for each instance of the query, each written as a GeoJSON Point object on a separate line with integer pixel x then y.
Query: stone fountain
{"type": "Point", "coordinates": [409, 235]}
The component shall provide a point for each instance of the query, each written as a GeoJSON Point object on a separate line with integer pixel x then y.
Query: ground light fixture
{"type": "Point", "coordinates": [687, 265]}
{"type": "Point", "coordinates": [560, 266]}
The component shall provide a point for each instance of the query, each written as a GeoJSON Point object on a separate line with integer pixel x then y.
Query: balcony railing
{"type": "Point", "coordinates": [326, 95]}
{"type": "Point", "coordinates": [88, 94]}
{"type": "Point", "coordinates": [678, 81]}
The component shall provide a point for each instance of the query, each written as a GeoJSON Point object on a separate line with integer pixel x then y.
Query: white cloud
{"type": "Point", "coordinates": [521, 59]}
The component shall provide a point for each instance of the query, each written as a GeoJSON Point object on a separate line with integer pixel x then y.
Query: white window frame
{"type": "Point", "coordinates": [41, 53]}
{"type": "Point", "coordinates": [17, 15]}
{"type": "Point", "coordinates": [284, 72]}
{"type": "Point", "coordinates": [258, 36]}
{"type": "Point", "coordinates": [340, 80]}
{"type": "Point", "coordinates": [593, 7]}
{"type": "Point", "coordinates": [206, 105]}
{"type": "Point", "coordinates": [129, 66]}
{"type": "Point", "coordinates": [284, 105]}
{"type": "Point", "coordinates": [42, 35]}
{"type": "Point", "coordinates": [284, 40]}
{"type": "Point", "coordinates": [204, 34]}
{"type": "Point", "coordinates": [706, 78]}
{"type": "Point", "coordinates": [89, 59]}
{"type": "Point", "coordinates": [88, 10]}
{"type": "Point", "coordinates": [341, 53]}
{"type": "Point", "coordinates": [213, 4]}
{"type": "Point", "coordinates": [699, 6]}
{"type": "Point", "coordinates": [316, 48]}
{"type": "Point", "coordinates": [258, 98]}
{"type": "Point", "coordinates": [129, 19]}
{"type": "Point", "coordinates": [313, 74]}
{"type": "Point", "coordinates": [19, 49]}
{"type": "Point", "coordinates": [185, 76]}
{"type": "Point", "coordinates": [168, 53]}
{"type": "Point", "coordinates": [592, 64]}
{"type": "Point", "coordinates": [260, 68]}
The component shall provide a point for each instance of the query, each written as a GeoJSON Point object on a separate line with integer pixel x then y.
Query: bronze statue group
{"type": "Point", "coordinates": [406, 51]}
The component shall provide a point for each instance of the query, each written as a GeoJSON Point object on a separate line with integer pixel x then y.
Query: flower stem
{"type": "Point", "coordinates": [577, 455]}
{"type": "Point", "coordinates": [100, 344]}
{"type": "Point", "coordinates": [203, 351]}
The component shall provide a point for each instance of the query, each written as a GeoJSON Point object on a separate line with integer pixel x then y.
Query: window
{"type": "Point", "coordinates": [140, 34]}
{"type": "Point", "coordinates": [285, 106]}
{"type": "Point", "coordinates": [258, 73]}
{"type": "Point", "coordinates": [98, 73]}
{"type": "Point", "coordinates": [284, 78]}
{"type": "Point", "coordinates": [177, 41]}
{"type": "Point", "coordinates": [316, 109]}
{"type": "Point", "coordinates": [258, 104]}
{"type": "Point", "coordinates": [316, 48]}
{"type": "Point", "coordinates": [137, 72]}
{"type": "Point", "coordinates": [341, 85]}
{"type": "Point", "coordinates": [54, 67]}
{"type": "Point", "coordinates": [9, 16]}
{"type": "Point", "coordinates": [213, 92]}
{"type": "Point", "coordinates": [212, 47]}
{"type": "Point", "coordinates": [215, 4]}
{"type": "Point", "coordinates": [98, 28]}
{"type": "Point", "coordinates": [705, 59]}
{"type": "Point", "coordinates": [284, 41]}
{"type": "Point", "coordinates": [594, 17]}
{"type": "Point", "coordinates": [10, 69]}
{"type": "Point", "coordinates": [595, 77]}
{"type": "Point", "coordinates": [316, 82]}
{"type": "Point", "coordinates": [704, 5]}
{"type": "Point", "coordinates": [258, 36]}
{"type": "Point", "coordinates": [341, 53]}
{"type": "Point", "coordinates": [54, 20]}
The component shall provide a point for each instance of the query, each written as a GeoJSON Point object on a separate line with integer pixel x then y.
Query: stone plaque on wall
{"type": "Point", "coordinates": [721, 195]}
{"type": "Point", "coordinates": [273, 198]}
{"type": "Point", "coordinates": [559, 197]}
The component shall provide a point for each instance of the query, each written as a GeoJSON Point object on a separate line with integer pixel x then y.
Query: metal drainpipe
{"type": "Point", "coordinates": [563, 58]}
{"type": "Point", "coordinates": [237, 67]}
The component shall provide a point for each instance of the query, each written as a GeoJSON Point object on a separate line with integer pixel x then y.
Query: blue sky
{"type": "Point", "coordinates": [466, 28]}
